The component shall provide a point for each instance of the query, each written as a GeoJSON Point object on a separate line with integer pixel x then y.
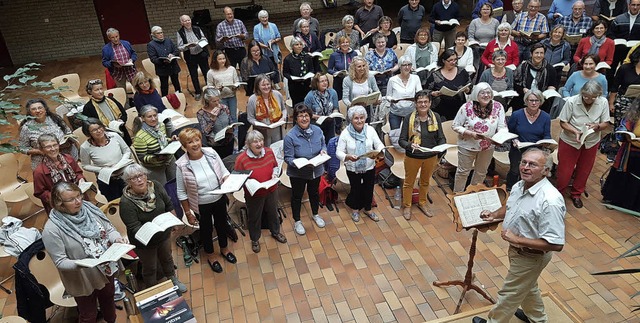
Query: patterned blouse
{"type": "Point", "coordinates": [31, 130]}
{"type": "Point", "coordinates": [467, 119]}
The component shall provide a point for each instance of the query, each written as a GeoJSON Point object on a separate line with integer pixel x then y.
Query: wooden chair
{"type": "Point", "coordinates": [397, 30]}
{"type": "Point", "coordinates": [452, 138]}
{"type": "Point", "coordinates": [401, 48]}
{"type": "Point", "coordinates": [287, 42]}
{"type": "Point", "coordinates": [69, 85]}
{"type": "Point", "coordinates": [112, 211]}
{"type": "Point", "coordinates": [328, 38]}
{"type": "Point", "coordinates": [9, 167]}
{"type": "Point", "coordinates": [81, 137]}
{"type": "Point", "coordinates": [341, 174]}
{"type": "Point", "coordinates": [151, 70]}
{"type": "Point", "coordinates": [132, 115]}
{"type": "Point", "coordinates": [118, 94]}
{"type": "Point", "coordinates": [183, 103]}
{"type": "Point", "coordinates": [47, 274]}
{"type": "Point", "coordinates": [15, 192]}
{"type": "Point", "coordinates": [398, 159]}
{"type": "Point", "coordinates": [91, 177]}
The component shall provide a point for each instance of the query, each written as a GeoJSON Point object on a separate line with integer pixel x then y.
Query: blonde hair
{"type": "Point", "coordinates": [352, 68]}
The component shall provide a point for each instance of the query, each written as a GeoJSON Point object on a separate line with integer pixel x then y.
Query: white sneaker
{"type": "Point", "coordinates": [299, 228]}
{"type": "Point", "coordinates": [319, 221]}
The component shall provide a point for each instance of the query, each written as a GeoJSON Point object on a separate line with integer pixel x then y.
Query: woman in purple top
{"type": "Point", "coordinates": [530, 124]}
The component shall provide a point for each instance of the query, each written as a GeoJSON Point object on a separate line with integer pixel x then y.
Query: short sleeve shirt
{"type": "Point", "coordinates": [575, 113]}
{"type": "Point", "coordinates": [536, 213]}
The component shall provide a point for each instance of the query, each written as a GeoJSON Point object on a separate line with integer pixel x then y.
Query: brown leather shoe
{"type": "Point", "coordinates": [279, 237]}
{"type": "Point", "coordinates": [425, 209]}
{"type": "Point", "coordinates": [406, 213]}
{"type": "Point", "coordinates": [577, 202]}
{"type": "Point", "coordinates": [255, 246]}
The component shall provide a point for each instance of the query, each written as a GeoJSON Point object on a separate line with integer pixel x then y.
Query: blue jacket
{"type": "Point", "coordinates": [107, 54]}
{"type": "Point", "coordinates": [557, 54]}
{"type": "Point", "coordinates": [339, 61]}
{"type": "Point", "coordinates": [298, 145]}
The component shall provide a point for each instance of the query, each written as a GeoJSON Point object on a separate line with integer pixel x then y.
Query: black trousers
{"type": "Point", "coordinates": [164, 83]}
{"type": "Point", "coordinates": [235, 55]}
{"type": "Point", "coordinates": [298, 90]}
{"type": "Point", "coordinates": [113, 190]}
{"type": "Point", "coordinates": [193, 62]}
{"type": "Point", "coordinates": [361, 193]}
{"type": "Point", "coordinates": [297, 190]}
{"type": "Point", "coordinates": [214, 214]}
{"type": "Point", "coordinates": [619, 55]}
{"type": "Point", "coordinates": [257, 207]}
{"type": "Point", "coordinates": [513, 176]}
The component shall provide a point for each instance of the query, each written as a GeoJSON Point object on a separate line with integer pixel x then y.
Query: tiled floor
{"type": "Point", "coordinates": [383, 272]}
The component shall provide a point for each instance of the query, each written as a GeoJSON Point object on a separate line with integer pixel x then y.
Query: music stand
{"type": "Point", "coordinates": [467, 284]}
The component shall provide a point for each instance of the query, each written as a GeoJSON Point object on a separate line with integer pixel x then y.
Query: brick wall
{"type": "Point", "coordinates": [72, 29]}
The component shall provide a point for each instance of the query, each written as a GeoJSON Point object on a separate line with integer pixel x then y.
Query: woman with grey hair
{"type": "Point", "coordinates": [298, 64]}
{"type": "Point", "coordinates": [142, 201]}
{"type": "Point", "coordinates": [382, 59]}
{"type": "Point", "coordinates": [267, 35]}
{"type": "Point", "coordinates": [311, 41]}
{"type": "Point", "coordinates": [347, 31]}
{"type": "Point", "coordinates": [105, 108]}
{"type": "Point", "coordinates": [421, 128]}
{"type": "Point", "coordinates": [401, 91]}
{"type": "Point", "coordinates": [161, 50]}
{"type": "Point", "coordinates": [582, 119]}
{"type": "Point", "coordinates": [356, 140]}
{"type": "Point", "coordinates": [262, 162]}
{"type": "Point", "coordinates": [498, 76]}
{"type": "Point", "coordinates": [502, 41]}
{"type": "Point", "coordinates": [77, 230]}
{"type": "Point", "coordinates": [55, 167]}
{"type": "Point", "coordinates": [476, 122]}
{"type": "Point", "coordinates": [214, 117]}
{"type": "Point", "coordinates": [531, 124]}
{"type": "Point", "coordinates": [150, 138]}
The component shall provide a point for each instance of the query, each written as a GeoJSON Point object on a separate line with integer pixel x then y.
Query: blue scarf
{"type": "Point", "coordinates": [361, 147]}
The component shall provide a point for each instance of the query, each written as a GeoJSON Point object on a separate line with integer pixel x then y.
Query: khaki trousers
{"type": "Point", "coordinates": [466, 159]}
{"type": "Point", "coordinates": [521, 288]}
{"type": "Point", "coordinates": [411, 168]}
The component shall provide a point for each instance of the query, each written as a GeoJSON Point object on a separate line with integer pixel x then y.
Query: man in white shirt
{"type": "Point", "coordinates": [533, 226]}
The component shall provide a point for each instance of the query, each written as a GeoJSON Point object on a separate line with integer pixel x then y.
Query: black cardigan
{"type": "Point", "coordinates": [427, 140]}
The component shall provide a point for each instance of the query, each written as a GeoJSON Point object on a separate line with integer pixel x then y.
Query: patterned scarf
{"type": "Point", "coordinates": [595, 44]}
{"type": "Point", "coordinates": [323, 101]}
{"type": "Point", "coordinates": [361, 147]}
{"type": "Point", "coordinates": [112, 107]}
{"type": "Point", "coordinates": [64, 173]}
{"type": "Point", "coordinates": [524, 70]}
{"type": "Point", "coordinates": [146, 202]}
{"type": "Point", "coordinates": [481, 112]}
{"type": "Point", "coordinates": [415, 134]}
{"type": "Point", "coordinates": [262, 110]}
{"type": "Point", "coordinates": [84, 224]}
{"type": "Point", "coordinates": [157, 132]}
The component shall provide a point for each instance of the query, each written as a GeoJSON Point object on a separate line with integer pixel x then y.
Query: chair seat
{"type": "Point", "coordinates": [554, 155]}
{"type": "Point", "coordinates": [15, 196]}
{"type": "Point", "coordinates": [12, 319]}
{"type": "Point", "coordinates": [502, 157]}
{"type": "Point", "coordinates": [239, 196]}
{"type": "Point", "coordinates": [341, 175]}
{"type": "Point", "coordinates": [284, 178]}
{"type": "Point", "coordinates": [452, 156]}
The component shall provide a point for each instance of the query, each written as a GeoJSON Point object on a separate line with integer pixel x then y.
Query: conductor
{"type": "Point", "coordinates": [533, 226]}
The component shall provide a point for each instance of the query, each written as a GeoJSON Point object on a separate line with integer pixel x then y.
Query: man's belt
{"type": "Point", "coordinates": [521, 250]}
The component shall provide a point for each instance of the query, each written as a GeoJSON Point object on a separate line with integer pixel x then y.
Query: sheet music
{"type": "Point", "coordinates": [470, 205]}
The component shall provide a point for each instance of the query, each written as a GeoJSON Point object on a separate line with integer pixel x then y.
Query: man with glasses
{"type": "Point", "coordinates": [529, 28]}
{"type": "Point", "coordinates": [191, 42]}
{"type": "Point", "coordinates": [625, 26]}
{"type": "Point", "coordinates": [510, 16]}
{"type": "Point", "coordinates": [578, 23]}
{"type": "Point", "coordinates": [119, 57]}
{"type": "Point", "coordinates": [231, 33]}
{"type": "Point", "coordinates": [533, 226]}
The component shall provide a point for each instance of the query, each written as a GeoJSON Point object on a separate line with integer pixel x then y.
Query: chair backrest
{"type": "Point", "coordinates": [46, 273]}
{"type": "Point", "coordinates": [396, 31]}
{"type": "Point", "coordinates": [328, 38]}
{"type": "Point", "coordinates": [112, 210]}
{"type": "Point", "coordinates": [287, 42]}
{"type": "Point", "coordinates": [401, 48]}
{"type": "Point", "coordinates": [555, 129]}
{"type": "Point", "coordinates": [436, 45]}
{"type": "Point", "coordinates": [132, 115]}
{"type": "Point", "coordinates": [450, 135]}
{"type": "Point", "coordinates": [330, 79]}
{"type": "Point", "coordinates": [183, 103]}
{"type": "Point", "coordinates": [9, 168]}
{"type": "Point", "coordinates": [149, 67]}
{"type": "Point", "coordinates": [118, 94]}
{"type": "Point", "coordinates": [71, 82]}
{"type": "Point", "coordinates": [364, 49]}
{"type": "Point", "coordinates": [81, 137]}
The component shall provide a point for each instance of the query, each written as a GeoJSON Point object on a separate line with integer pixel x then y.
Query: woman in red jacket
{"type": "Point", "coordinates": [503, 41]}
{"type": "Point", "coordinates": [54, 168]}
{"type": "Point", "coordinates": [598, 43]}
{"type": "Point", "coordinates": [262, 161]}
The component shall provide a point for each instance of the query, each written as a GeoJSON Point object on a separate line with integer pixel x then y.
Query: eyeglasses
{"type": "Point", "coordinates": [533, 101]}
{"type": "Point", "coordinates": [97, 130]}
{"type": "Point", "coordinates": [36, 108]}
{"type": "Point", "coordinates": [405, 65]}
{"type": "Point", "coordinates": [452, 60]}
{"type": "Point", "coordinates": [137, 177]}
{"type": "Point", "coordinates": [74, 199]}
{"type": "Point", "coordinates": [588, 98]}
{"type": "Point", "coordinates": [303, 116]}
{"type": "Point", "coordinates": [485, 93]}
{"type": "Point", "coordinates": [526, 164]}
{"type": "Point", "coordinates": [49, 147]}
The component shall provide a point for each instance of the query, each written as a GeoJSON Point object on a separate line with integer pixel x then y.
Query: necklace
{"type": "Point", "coordinates": [534, 115]}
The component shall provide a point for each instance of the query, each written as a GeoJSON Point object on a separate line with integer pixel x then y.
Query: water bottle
{"type": "Point", "coordinates": [128, 307]}
{"type": "Point", "coordinates": [397, 198]}
{"type": "Point", "coordinates": [186, 253]}
{"type": "Point", "coordinates": [131, 280]}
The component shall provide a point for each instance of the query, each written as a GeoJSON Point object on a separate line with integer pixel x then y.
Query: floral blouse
{"type": "Point", "coordinates": [467, 119]}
